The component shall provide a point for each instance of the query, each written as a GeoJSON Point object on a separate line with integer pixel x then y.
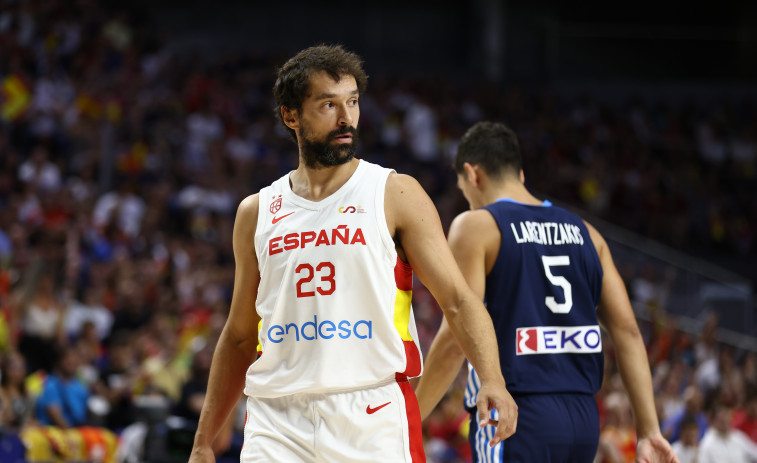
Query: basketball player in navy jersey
{"type": "Point", "coordinates": [320, 334]}
{"type": "Point", "coordinates": [549, 282]}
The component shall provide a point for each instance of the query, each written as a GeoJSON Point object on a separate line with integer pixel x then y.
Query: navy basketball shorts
{"type": "Point", "coordinates": [552, 428]}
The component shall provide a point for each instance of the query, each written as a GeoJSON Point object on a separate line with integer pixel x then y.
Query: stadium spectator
{"type": "Point", "coordinates": [194, 389]}
{"type": "Point", "coordinates": [693, 407]}
{"type": "Point", "coordinates": [122, 208]}
{"type": "Point", "coordinates": [618, 435]}
{"type": "Point", "coordinates": [687, 447]}
{"type": "Point", "coordinates": [723, 444]}
{"type": "Point", "coordinates": [39, 172]}
{"type": "Point", "coordinates": [669, 394]}
{"type": "Point", "coordinates": [745, 418]}
{"type": "Point", "coordinates": [15, 402]}
{"type": "Point", "coordinates": [42, 321]}
{"type": "Point", "coordinates": [63, 402]}
{"type": "Point", "coordinates": [118, 380]}
{"type": "Point", "coordinates": [89, 310]}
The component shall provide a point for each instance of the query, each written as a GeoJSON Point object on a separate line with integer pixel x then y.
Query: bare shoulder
{"type": "Point", "coordinates": [474, 235]}
{"type": "Point", "coordinates": [402, 187]}
{"type": "Point", "coordinates": [407, 203]}
{"type": "Point", "coordinates": [475, 221]}
{"type": "Point", "coordinates": [596, 238]}
{"type": "Point", "coordinates": [246, 222]}
{"type": "Point", "coordinates": [250, 205]}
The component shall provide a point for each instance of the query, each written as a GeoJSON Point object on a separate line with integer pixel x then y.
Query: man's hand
{"type": "Point", "coordinates": [655, 449]}
{"type": "Point", "coordinates": [496, 397]}
{"type": "Point", "coordinates": [202, 455]}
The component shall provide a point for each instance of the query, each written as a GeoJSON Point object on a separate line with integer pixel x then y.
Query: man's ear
{"type": "Point", "coordinates": [291, 117]}
{"type": "Point", "coordinates": [522, 177]}
{"type": "Point", "coordinates": [471, 172]}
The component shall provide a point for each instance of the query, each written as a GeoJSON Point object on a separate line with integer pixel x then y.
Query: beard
{"type": "Point", "coordinates": [320, 154]}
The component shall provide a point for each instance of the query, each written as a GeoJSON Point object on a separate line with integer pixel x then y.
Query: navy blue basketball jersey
{"type": "Point", "coordinates": [542, 295]}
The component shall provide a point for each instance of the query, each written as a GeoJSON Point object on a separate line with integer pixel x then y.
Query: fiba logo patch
{"type": "Point", "coordinates": [558, 340]}
{"type": "Point", "coordinates": [275, 204]}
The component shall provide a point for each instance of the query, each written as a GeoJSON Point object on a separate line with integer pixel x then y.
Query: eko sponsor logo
{"type": "Point", "coordinates": [558, 340]}
{"type": "Point", "coordinates": [324, 329]}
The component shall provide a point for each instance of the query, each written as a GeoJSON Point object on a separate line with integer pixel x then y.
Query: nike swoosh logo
{"type": "Point", "coordinates": [371, 411]}
{"type": "Point", "coordinates": [276, 219]}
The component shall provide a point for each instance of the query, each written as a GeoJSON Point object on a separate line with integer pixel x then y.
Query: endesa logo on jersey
{"type": "Point", "coordinates": [323, 329]}
{"type": "Point", "coordinates": [558, 340]}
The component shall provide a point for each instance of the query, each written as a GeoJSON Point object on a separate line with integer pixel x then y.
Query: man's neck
{"type": "Point", "coordinates": [510, 190]}
{"type": "Point", "coordinates": [319, 184]}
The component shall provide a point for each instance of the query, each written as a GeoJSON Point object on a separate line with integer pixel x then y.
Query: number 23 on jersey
{"type": "Point", "coordinates": [323, 274]}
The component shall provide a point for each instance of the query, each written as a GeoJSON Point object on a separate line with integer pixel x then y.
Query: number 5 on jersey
{"type": "Point", "coordinates": [326, 285]}
{"type": "Point", "coordinates": [552, 304]}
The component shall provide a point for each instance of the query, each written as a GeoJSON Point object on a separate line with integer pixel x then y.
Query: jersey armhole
{"type": "Point", "coordinates": [261, 226]}
{"type": "Point", "coordinates": [501, 239]}
{"type": "Point", "coordinates": [383, 226]}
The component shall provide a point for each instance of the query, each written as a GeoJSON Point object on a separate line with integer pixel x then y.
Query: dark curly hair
{"type": "Point", "coordinates": [293, 78]}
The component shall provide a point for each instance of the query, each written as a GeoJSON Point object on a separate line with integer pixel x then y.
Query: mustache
{"type": "Point", "coordinates": [347, 129]}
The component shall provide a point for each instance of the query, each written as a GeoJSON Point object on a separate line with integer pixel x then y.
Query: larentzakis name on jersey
{"type": "Point", "coordinates": [341, 234]}
{"type": "Point", "coordinates": [325, 329]}
{"type": "Point", "coordinates": [547, 233]}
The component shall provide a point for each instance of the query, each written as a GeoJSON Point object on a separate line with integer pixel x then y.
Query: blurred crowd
{"type": "Point", "coordinates": [122, 164]}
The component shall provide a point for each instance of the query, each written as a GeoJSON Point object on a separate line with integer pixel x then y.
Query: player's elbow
{"type": "Point", "coordinates": [626, 332]}
{"type": "Point", "coordinates": [242, 341]}
{"type": "Point", "coordinates": [459, 307]}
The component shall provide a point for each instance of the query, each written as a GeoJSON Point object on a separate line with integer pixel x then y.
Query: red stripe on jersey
{"type": "Point", "coordinates": [403, 275]}
{"type": "Point", "coordinates": [415, 431]}
{"type": "Point", "coordinates": [413, 356]}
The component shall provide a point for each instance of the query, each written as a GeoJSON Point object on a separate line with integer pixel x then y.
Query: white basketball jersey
{"type": "Point", "coordinates": [334, 299]}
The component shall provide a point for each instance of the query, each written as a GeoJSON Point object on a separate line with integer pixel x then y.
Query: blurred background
{"type": "Point", "coordinates": [130, 131]}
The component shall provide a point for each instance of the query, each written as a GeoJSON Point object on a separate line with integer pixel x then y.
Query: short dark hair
{"type": "Point", "coordinates": [492, 146]}
{"type": "Point", "coordinates": [293, 78]}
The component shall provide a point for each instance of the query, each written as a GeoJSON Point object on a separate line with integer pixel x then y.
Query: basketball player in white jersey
{"type": "Point", "coordinates": [323, 283]}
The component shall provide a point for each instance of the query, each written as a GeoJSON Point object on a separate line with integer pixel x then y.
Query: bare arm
{"type": "Point", "coordinates": [413, 220]}
{"type": "Point", "coordinates": [222, 443]}
{"type": "Point", "coordinates": [616, 316]}
{"type": "Point", "coordinates": [474, 257]}
{"type": "Point", "coordinates": [237, 344]}
{"type": "Point", "coordinates": [441, 365]}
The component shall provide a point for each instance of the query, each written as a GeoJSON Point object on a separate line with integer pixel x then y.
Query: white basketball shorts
{"type": "Point", "coordinates": [377, 424]}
